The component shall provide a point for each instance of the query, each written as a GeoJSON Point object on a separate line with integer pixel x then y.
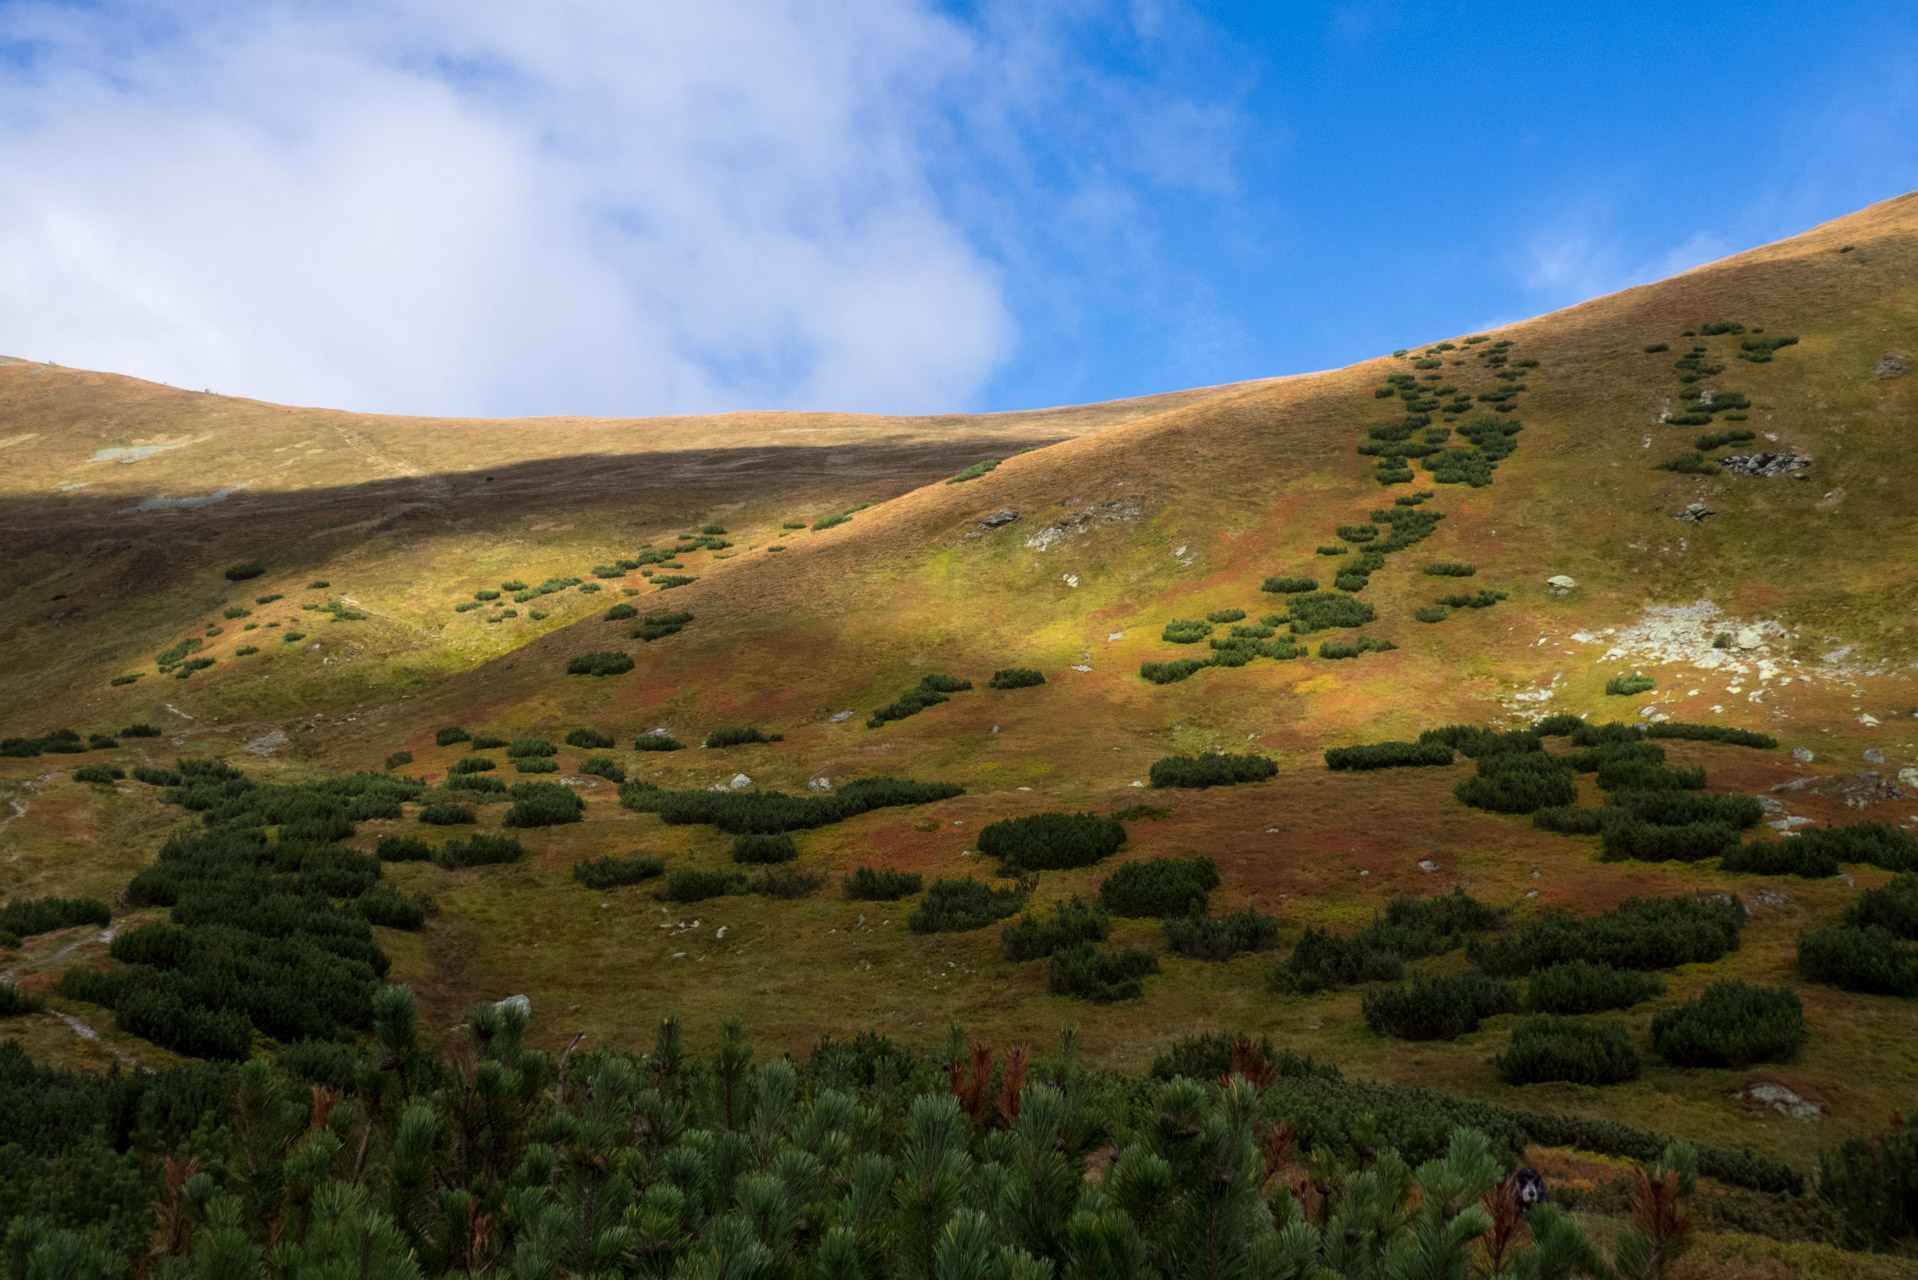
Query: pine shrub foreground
{"type": "Point", "coordinates": [1051, 841]}
{"type": "Point", "coordinates": [1160, 887]}
{"type": "Point", "coordinates": [1732, 1024]}
{"type": "Point", "coordinates": [1548, 1048]}
{"type": "Point", "coordinates": [1084, 972]}
{"type": "Point", "coordinates": [1202, 937]}
{"type": "Point", "coordinates": [1579, 986]}
{"type": "Point", "coordinates": [1442, 1008]}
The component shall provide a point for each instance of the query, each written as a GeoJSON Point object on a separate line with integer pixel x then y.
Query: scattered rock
{"type": "Point", "coordinates": [1789, 824]}
{"type": "Point", "coordinates": [1561, 583]}
{"type": "Point", "coordinates": [1868, 720]}
{"type": "Point", "coordinates": [1893, 364]}
{"type": "Point", "coordinates": [1909, 778]}
{"type": "Point", "coordinates": [1695, 513]}
{"type": "Point", "coordinates": [1857, 790]}
{"type": "Point", "coordinates": [1071, 579]}
{"type": "Point", "coordinates": [999, 519]}
{"type": "Point", "coordinates": [819, 784]}
{"type": "Point", "coordinates": [522, 1003]}
{"type": "Point", "coordinates": [266, 743]}
{"type": "Point", "coordinates": [1801, 754]}
{"type": "Point", "coordinates": [1780, 462]}
{"type": "Point", "coordinates": [740, 782]}
{"type": "Point", "coordinates": [837, 717]}
{"type": "Point", "coordinates": [1116, 635]}
{"type": "Point", "coordinates": [1874, 756]}
{"type": "Point", "coordinates": [1782, 1100]}
{"type": "Point", "coordinates": [1117, 511]}
{"type": "Point", "coordinates": [1078, 666]}
{"type": "Point", "coordinates": [1426, 864]}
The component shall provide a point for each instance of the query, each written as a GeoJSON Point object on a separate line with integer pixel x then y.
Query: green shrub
{"type": "Point", "coordinates": [1691, 463]}
{"type": "Point", "coordinates": [1388, 755]}
{"type": "Point", "coordinates": [589, 739]}
{"type": "Point", "coordinates": [14, 1002]}
{"type": "Point", "coordinates": [1570, 819]}
{"type": "Point", "coordinates": [1356, 533]}
{"type": "Point", "coordinates": [612, 873]}
{"type": "Point", "coordinates": [930, 691]}
{"type": "Point", "coordinates": [1630, 686]}
{"type": "Point", "coordinates": [1873, 1182]}
{"type": "Point", "coordinates": [1085, 973]}
{"type": "Point", "coordinates": [974, 471]}
{"type": "Point", "coordinates": [784, 882]}
{"type": "Point", "coordinates": [243, 570]}
{"type": "Point", "coordinates": [1185, 631]}
{"type": "Point", "coordinates": [1518, 782]}
{"type": "Point", "coordinates": [1203, 937]}
{"type": "Point", "coordinates": [403, 849]}
{"type": "Point", "coordinates": [1051, 841]}
{"type": "Point", "coordinates": [960, 906]}
{"type": "Point", "coordinates": [1483, 599]}
{"type": "Point", "coordinates": [1450, 569]}
{"type": "Point", "coordinates": [1336, 649]}
{"type": "Point", "coordinates": [1033, 937]}
{"type": "Point", "coordinates": [479, 850]}
{"type": "Point", "coordinates": [466, 606]}
{"type": "Point", "coordinates": [1333, 549]}
{"type": "Point", "coordinates": [868, 885]}
{"type": "Point", "coordinates": [513, 585]}
{"type": "Point", "coordinates": [603, 767]}
{"type": "Point", "coordinates": [156, 777]}
{"type": "Point", "coordinates": [1443, 1008]}
{"type": "Point", "coordinates": [236, 611]}
{"type": "Point", "coordinates": [1433, 613]}
{"type": "Point", "coordinates": [293, 637]}
{"type": "Point", "coordinates": [139, 731]}
{"type": "Point", "coordinates": [451, 734]}
{"type": "Point", "coordinates": [1657, 347]}
{"type": "Point", "coordinates": [658, 625]}
{"type": "Point", "coordinates": [535, 764]}
{"type": "Point", "coordinates": [471, 764]}
{"type": "Point", "coordinates": [621, 612]}
{"type": "Point", "coordinates": [99, 773]}
{"type": "Point", "coordinates": [1161, 887]}
{"type": "Point", "coordinates": [1640, 933]}
{"type": "Point", "coordinates": [740, 736]}
{"type": "Point", "coordinates": [447, 814]}
{"type": "Point", "coordinates": [1872, 843]}
{"type": "Point", "coordinates": [117, 681]}
{"type": "Point", "coordinates": [1548, 1048]}
{"type": "Point", "coordinates": [1015, 678]}
{"type": "Point", "coordinates": [776, 847]}
{"type": "Point", "coordinates": [1211, 770]}
{"type": "Point", "coordinates": [1170, 672]}
{"type": "Point", "coordinates": [1578, 986]}
{"type": "Point", "coordinates": [1712, 733]}
{"type": "Point", "coordinates": [1780, 858]}
{"type": "Point", "coordinates": [1718, 439]}
{"type": "Point", "coordinates": [519, 747]}
{"type": "Point", "coordinates": [1759, 350]}
{"type": "Point", "coordinates": [658, 742]}
{"type": "Point", "coordinates": [599, 664]}
{"type": "Point", "coordinates": [543, 804]}
{"type": "Point", "coordinates": [246, 651]}
{"type": "Point", "coordinates": [1892, 907]}
{"type": "Point", "coordinates": [828, 522]}
{"type": "Point", "coordinates": [737, 811]}
{"type": "Point", "coordinates": [25, 917]}
{"type": "Point", "coordinates": [1869, 959]}
{"type": "Point", "coordinates": [1731, 1025]}
{"type": "Point", "coordinates": [1326, 611]}
{"type": "Point", "coordinates": [477, 783]}
{"type": "Point", "coordinates": [697, 886]}
{"type": "Point", "coordinates": [1289, 586]}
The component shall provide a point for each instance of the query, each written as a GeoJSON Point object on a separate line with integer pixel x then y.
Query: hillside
{"type": "Point", "coordinates": [1785, 604]}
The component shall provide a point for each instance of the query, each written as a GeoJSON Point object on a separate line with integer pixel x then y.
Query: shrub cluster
{"type": "Point", "coordinates": [960, 906]}
{"type": "Point", "coordinates": [1185, 631]}
{"type": "Point", "coordinates": [1388, 755]}
{"type": "Point", "coordinates": [1051, 841]}
{"type": "Point", "coordinates": [1086, 973]}
{"type": "Point", "coordinates": [447, 814]}
{"type": "Point", "coordinates": [543, 804]}
{"type": "Point", "coordinates": [1712, 733]}
{"type": "Point", "coordinates": [1519, 782]}
{"type": "Point", "coordinates": [1548, 1048]}
{"type": "Point", "coordinates": [1411, 929]}
{"type": "Point", "coordinates": [1203, 937]}
{"type": "Point", "coordinates": [589, 739]}
{"type": "Point", "coordinates": [696, 886]}
{"type": "Point", "coordinates": [1628, 686]}
{"type": "Point", "coordinates": [974, 471]}
{"type": "Point", "coordinates": [611, 873]}
{"type": "Point", "coordinates": [98, 773]}
{"type": "Point", "coordinates": [603, 767]}
{"type": "Point", "coordinates": [1579, 986]}
{"type": "Point", "coordinates": [472, 764]}
{"type": "Point", "coordinates": [1333, 649]}
{"type": "Point", "coordinates": [1450, 569]}
{"type": "Point", "coordinates": [658, 742]}
{"type": "Point", "coordinates": [536, 764]}
{"type": "Point", "coordinates": [1161, 887]}
{"type": "Point", "coordinates": [930, 691]}
{"type": "Point", "coordinates": [869, 885]}
{"type": "Point", "coordinates": [1731, 1025]}
{"type": "Point", "coordinates": [403, 849]}
{"type": "Point", "coordinates": [1015, 678]}
{"type": "Point", "coordinates": [1326, 611]}
{"type": "Point", "coordinates": [753, 847]}
{"type": "Point", "coordinates": [1443, 1008]}
{"type": "Point", "coordinates": [740, 736]}
{"type": "Point", "coordinates": [1639, 933]}
{"type": "Point", "coordinates": [1033, 937]}
{"type": "Point", "coordinates": [659, 625]}
{"type": "Point", "coordinates": [1170, 672]}
{"type": "Point", "coordinates": [24, 917]}
{"type": "Point", "coordinates": [604, 663]}
{"type": "Point", "coordinates": [1211, 770]}
{"type": "Point", "coordinates": [1289, 586]}
{"type": "Point", "coordinates": [737, 811]}
{"type": "Point", "coordinates": [477, 783]}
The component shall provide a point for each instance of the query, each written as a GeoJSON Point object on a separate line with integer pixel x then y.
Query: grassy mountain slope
{"type": "Point", "coordinates": [1130, 516]}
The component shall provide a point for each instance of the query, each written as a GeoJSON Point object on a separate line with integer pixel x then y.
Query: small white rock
{"type": "Point", "coordinates": [740, 782]}
{"type": "Point", "coordinates": [1426, 864]}
{"type": "Point", "coordinates": [1071, 579]}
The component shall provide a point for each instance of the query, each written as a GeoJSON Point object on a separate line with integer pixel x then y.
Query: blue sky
{"type": "Point", "coordinates": [597, 206]}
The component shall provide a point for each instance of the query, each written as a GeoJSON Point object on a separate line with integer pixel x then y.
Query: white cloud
{"type": "Point", "coordinates": [473, 206]}
{"type": "Point", "coordinates": [1571, 261]}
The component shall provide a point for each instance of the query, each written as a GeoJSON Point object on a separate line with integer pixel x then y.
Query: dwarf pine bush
{"type": "Point", "coordinates": [1630, 686]}
{"type": "Point", "coordinates": [479, 850]}
{"type": "Point", "coordinates": [658, 742]}
{"type": "Point", "coordinates": [1442, 1008]}
{"type": "Point", "coordinates": [98, 773]}
{"type": "Point", "coordinates": [696, 886]}
{"type": "Point", "coordinates": [477, 783]}
{"type": "Point", "coordinates": [756, 848]}
{"type": "Point", "coordinates": [604, 663]}
{"type": "Point", "coordinates": [403, 849]}
{"type": "Point", "coordinates": [869, 885]}
{"type": "Point", "coordinates": [1289, 586]}
{"type": "Point", "coordinates": [25, 917]}
{"type": "Point", "coordinates": [447, 814]}
{"type": "Point", "coordinates": [243, 570]}
{"type": "Point", "coordinates": [1202, 937]}
{"type": "Point", "coordinates": [472, 764]}
{"type": "Point", "coordinates": [1211, 770]}
{"type": "Point", "coordinates": [543, 804]}
{"type": "Point", "coordinates": [1015, 678]}
{"type": "Point", "coordinates": [1871, 959]}
{"type": "Point", "coordinates": [1185, 631]}
{"type": "Point", "coordinates": [1548, 1048]}
{"type": "Point", "coordinates": [1170, 672]}
{"type": "Point", "coordinates": [1518, 782]}
{"type": "Point", "coordinates": [1640, 933]}
{"type": "Point", "coordinates": [1579, 986]}
{"type": "Point", "coordinates": [603, 767]}
{"type": "Point", "coordinates": [621, 612]}
{"type": "Point", "coordinates": [613, 873]}
{"type": "Point", "coordinates": [960, 906]}
{"type": "Point", "coordinates": [1070, 923]}
{"type": "Point", "coordinates": [1732, 1024]}
{"type": "Point", "coordinates": [1161, 887]}
{"type": "Point", "coordinates": [1086, 973]}
{"type": "Point", "coordinates": [740, 736]}
{"type": "Point", "coordinates": [589, 739]}
{"type": "Point", "coordinates": [1051, 841]}
{"type": "Point", "coordinates": [1388, 755]}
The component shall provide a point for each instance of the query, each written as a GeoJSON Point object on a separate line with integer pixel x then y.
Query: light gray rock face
{"type": "Point", "coordinates": [1801, 754]}
{"type": "Point", "coordinates": [1561, 583]}
{"type": "Point", "coordinates": [524, 1004]}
